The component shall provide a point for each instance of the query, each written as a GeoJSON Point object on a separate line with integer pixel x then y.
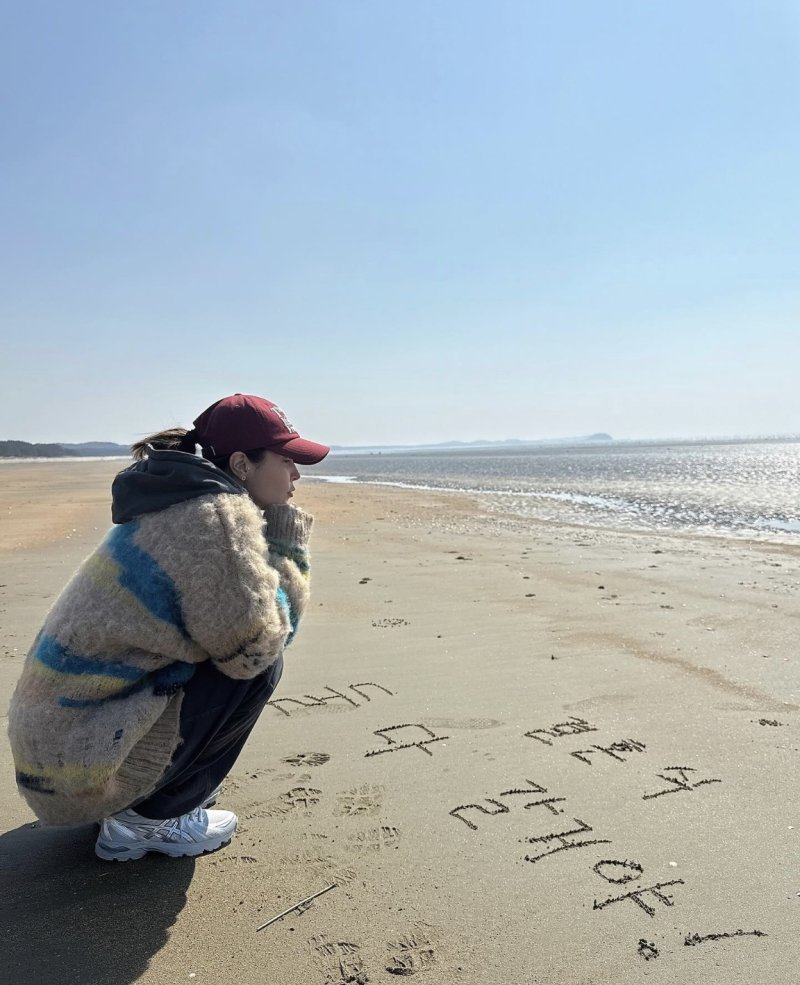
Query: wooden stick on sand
{"type": "Point", "coordinates": [297, 906]}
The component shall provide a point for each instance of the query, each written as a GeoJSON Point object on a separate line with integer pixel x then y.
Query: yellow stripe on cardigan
{"type": "Point", "coordinates": [80, 685]}
{"type": "Point", "coordinates": [95, 775]}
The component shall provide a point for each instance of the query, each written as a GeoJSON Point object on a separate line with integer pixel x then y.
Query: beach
{"type": "Point", "coordinates": [520, 751]}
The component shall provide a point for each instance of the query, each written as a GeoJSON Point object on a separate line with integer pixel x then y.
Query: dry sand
{"type": "Point", "coordinates": [487, 732]}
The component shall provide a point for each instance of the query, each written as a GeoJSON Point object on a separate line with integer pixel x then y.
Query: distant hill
{"type": "Point", "coordinates": [27, 449]}
{"type": "Point", "coordinates": [508, 443]}
{"type": "Point", "coordinates": [99, 448]}
{"type": "Point", "coordinates": [24, 449]}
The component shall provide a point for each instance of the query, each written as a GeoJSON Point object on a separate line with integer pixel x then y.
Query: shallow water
{"type": "Point", "coordinates": [744, 489]}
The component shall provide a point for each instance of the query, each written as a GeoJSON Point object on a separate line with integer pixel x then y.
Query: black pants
{"type": "Point", "coordinates": [217, 715]}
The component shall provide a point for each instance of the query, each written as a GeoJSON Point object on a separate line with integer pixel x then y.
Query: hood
{"type": "Point", "coordinates": [164, 479]}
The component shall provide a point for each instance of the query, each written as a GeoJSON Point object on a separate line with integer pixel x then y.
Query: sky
{"type": "Point", "coordinates": [403, 222]}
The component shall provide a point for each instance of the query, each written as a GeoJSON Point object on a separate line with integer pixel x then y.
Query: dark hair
{"type": "Point", "coordinates": [182, 439]}
{"type": "Point", "coordinates": [174, 439]}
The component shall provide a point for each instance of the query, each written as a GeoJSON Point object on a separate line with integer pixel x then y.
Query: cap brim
{"type": "Point", "coordinates": [304, 452]}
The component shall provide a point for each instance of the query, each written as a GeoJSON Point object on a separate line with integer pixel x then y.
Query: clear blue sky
{"type": "Point", "coordinates": [404, 221]}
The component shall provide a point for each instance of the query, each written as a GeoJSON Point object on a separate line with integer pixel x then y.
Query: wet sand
{"type": "Point", "coordinates": [523, 753]}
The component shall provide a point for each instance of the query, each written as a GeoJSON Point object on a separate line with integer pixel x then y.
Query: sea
{"type": "Point", "coordinates": [743, 489]}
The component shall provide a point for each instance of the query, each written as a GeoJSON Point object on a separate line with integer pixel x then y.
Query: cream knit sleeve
{"type": "Point", "coordinates": [240, 598]}
{"type": "Point", "coordinates": [287, 530]}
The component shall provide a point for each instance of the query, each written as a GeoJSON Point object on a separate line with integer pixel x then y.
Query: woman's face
{"type": "Point", "coordinates": [270, 481]}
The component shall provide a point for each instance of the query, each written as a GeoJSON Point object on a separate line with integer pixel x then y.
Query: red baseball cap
{"type": "Point", "coordinates": [243, 422]}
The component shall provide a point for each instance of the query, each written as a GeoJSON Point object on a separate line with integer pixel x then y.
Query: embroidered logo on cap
{"type": "Point", "coordinates": [289, 426]}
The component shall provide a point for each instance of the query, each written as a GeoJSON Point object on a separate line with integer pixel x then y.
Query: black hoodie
{"type": "Point", "coordinates": [163, 479]}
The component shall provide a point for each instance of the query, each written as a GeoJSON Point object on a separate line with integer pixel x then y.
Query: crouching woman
{"type": "Point", "coordinates": [155, 662]}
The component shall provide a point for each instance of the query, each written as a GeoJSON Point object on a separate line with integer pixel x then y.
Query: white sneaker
{"type": "Point", "coordinates": [127, 835]}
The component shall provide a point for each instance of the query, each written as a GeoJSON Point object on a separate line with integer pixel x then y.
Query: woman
{"type": "Point", "coordinates": [156, 660]}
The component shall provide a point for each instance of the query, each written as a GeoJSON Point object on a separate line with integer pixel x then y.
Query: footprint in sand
{"type": "Point", "coordinates": [364, 800]}
{"type": "Point", "coordinates": [374, 840]}
{"type": "Point", "coordinates": [301, 798]}
{"type": "Point", "coordinates": [412, 953]}
{"type": "Point", "coordinates": [323, 867]}
{"type": "Point", "coordinates": [227, 861]}
{"type": "Point", "coordinates": [256, 774]}
{"type": "Point", "coordinates": [470, 723]}
{"type": "Point", "coordinates": [298, 800]}
{"type": "Point", "coordinates": [339, 961]}
{"type": "Point", "coordinates": [307, 759]}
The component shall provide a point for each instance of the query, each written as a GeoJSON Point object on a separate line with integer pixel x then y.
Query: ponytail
{"type": "Point", "coordinates": [171, 439]}
{"type": "Point", "coordinates": [179, 439]}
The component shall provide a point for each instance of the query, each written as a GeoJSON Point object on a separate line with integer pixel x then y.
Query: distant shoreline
{"type": "Point", "coordinates": [55, 450]}
{"type": "Point", "coordinates": [8, 460]}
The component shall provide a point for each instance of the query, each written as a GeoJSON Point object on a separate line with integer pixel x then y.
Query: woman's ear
{"type": "Point", "coordinates": [238, 463]}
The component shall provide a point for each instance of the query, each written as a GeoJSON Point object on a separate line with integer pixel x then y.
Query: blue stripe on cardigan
{"type": "Point", "coordinates": [143, 578]}
{"type": "Point", "coordinates": [285, 603]}
{"type": "Point", "coordinates": [58, 657]}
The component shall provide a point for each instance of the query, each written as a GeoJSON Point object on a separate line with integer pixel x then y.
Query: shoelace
{"type": "Point", "coordinates": [174, 827]}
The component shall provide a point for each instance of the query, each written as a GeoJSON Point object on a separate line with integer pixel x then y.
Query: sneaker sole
{"type": "Point", "coordinates": [108, 853]}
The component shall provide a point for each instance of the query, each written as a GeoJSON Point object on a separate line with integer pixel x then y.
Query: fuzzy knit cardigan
{"type": "Point", "coordinates": [94, 720]}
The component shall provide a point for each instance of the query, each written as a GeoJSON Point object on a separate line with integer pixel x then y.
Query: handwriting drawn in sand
{"type": "Point", "coordinates": [546, 802]}
{"type": "Point", "coordinates": [581, 835]}
{"type": "Point", "coordinates": [563, 842]}
{"type": "Point", "coordinates": [680, 782]}
{"type": "Point", "coordinates": [615, 871]}
{"type": "Point", "coordinates": [396, 744]}
{"type": "Point", "coordinates": [639, 897]}
{"type": "Point", "coordinates": [615, 750]}
{"type": "Point", "coordinates": [573, 726]}
{"type": "Point", "coordinates": [501, 808]}
{"type": "Point", "coordinates": [578, 726]}
{"type": "Point", "coordinates": [647, 950]}
{"type": "Point", "coordinates": [612, 870]}
{"type": "Point", "coordinates": [498, 808]}
{"type": "Point", "coordinates": [315, 701]}
{"type": "Point", "coordinates": [693, 939]}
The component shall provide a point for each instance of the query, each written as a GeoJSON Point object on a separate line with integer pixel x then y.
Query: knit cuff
{"type": "Point", "coordinates": [288, 525]}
